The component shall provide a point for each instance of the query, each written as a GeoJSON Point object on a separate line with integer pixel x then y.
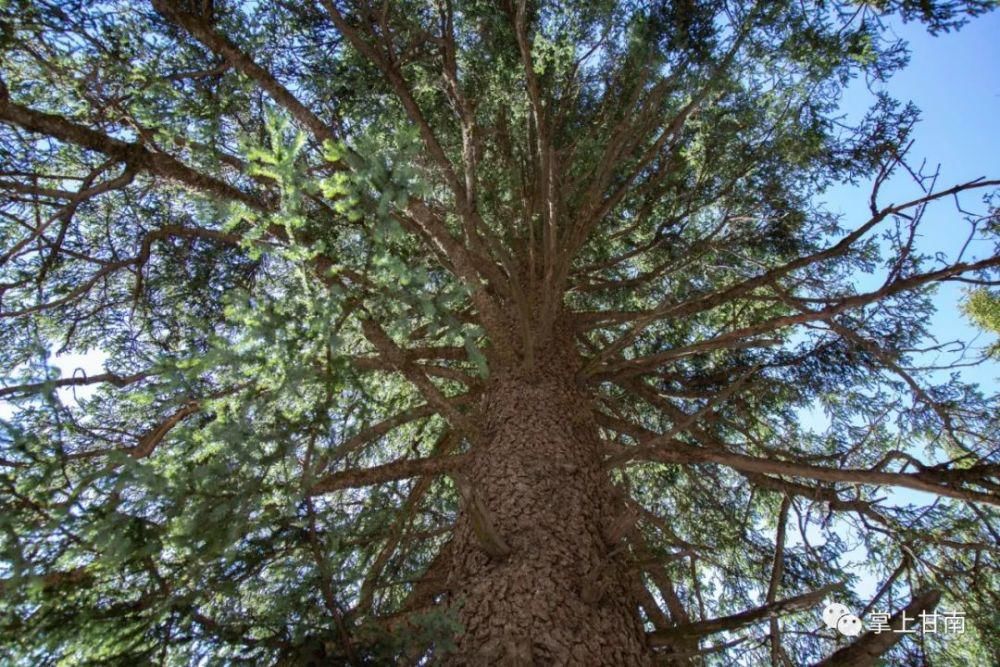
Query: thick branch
{"type": "Point", "coordinates": [445, 445]}
{"type": "Point", "coordinates": [76, 381]}
{"type": "Point", "coordinates": [644, 319]}
{"type": "Point", "coordinates": [865, 651]}
{"type": "Point", "coordinates": [936, 481]}
{"type": "Point", "coordinates": [929, 481]}
{"type": "Point", "coordinates": [222, 46]}
{"type": "Point", "coordinates": [744, 337]}
{"type": "Point", "coordinates": [397, 357]}
{"type": "Point", "coordinates": [388, 472]}
{"type": "Point", "coordinates": [135, 155]}
{"type": "Point", "coordinates": [740, 620]}
{"type": "Point", "coordinates": [777, 570]}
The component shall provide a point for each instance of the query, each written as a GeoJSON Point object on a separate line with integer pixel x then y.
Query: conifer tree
{"type": "Point", "coordinates": [471, 332]}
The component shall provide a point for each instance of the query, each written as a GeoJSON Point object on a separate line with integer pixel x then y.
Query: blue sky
{"type": "Point", "coordinates": [954, 79]}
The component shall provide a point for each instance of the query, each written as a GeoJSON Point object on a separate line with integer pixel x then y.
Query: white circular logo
{"type": "Point", "coordinates": [838, 617]}
{"type": "Point", "coordinates": [849, 625]}
{"type": "Point", "coordinates": [832, 614]}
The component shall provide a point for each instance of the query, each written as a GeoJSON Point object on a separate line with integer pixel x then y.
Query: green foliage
{"type": "Point", "coordinates": [983, 308]}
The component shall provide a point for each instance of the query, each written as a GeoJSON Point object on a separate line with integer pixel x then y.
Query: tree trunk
{"type": "Point", "coordinates": [554, 591]}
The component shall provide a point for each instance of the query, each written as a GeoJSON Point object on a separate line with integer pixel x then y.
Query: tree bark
{"type": "Point", "coordinates": [559, 594]}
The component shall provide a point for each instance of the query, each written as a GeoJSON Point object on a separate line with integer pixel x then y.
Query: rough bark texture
{"type": "Point", "coordinates": [561, 596]}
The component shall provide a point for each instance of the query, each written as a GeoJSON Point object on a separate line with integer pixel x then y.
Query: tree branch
{"type": "Point", "coordinates": [202, 30]}
{"type": "Point", "coordinates": [866, 649]}
{"type": "Point", "coordinates": [388, 472]}
{"type": "Point", "coordinates": [742, 619]}
{"type": "Point", "coordinates": [136, 155]}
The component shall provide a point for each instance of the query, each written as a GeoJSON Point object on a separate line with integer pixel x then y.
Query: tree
{"type": "Point", "coordinates": [477, 333]}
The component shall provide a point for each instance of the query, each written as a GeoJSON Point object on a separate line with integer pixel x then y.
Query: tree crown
{"type": "Point", "coordinates": [307, 237]}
